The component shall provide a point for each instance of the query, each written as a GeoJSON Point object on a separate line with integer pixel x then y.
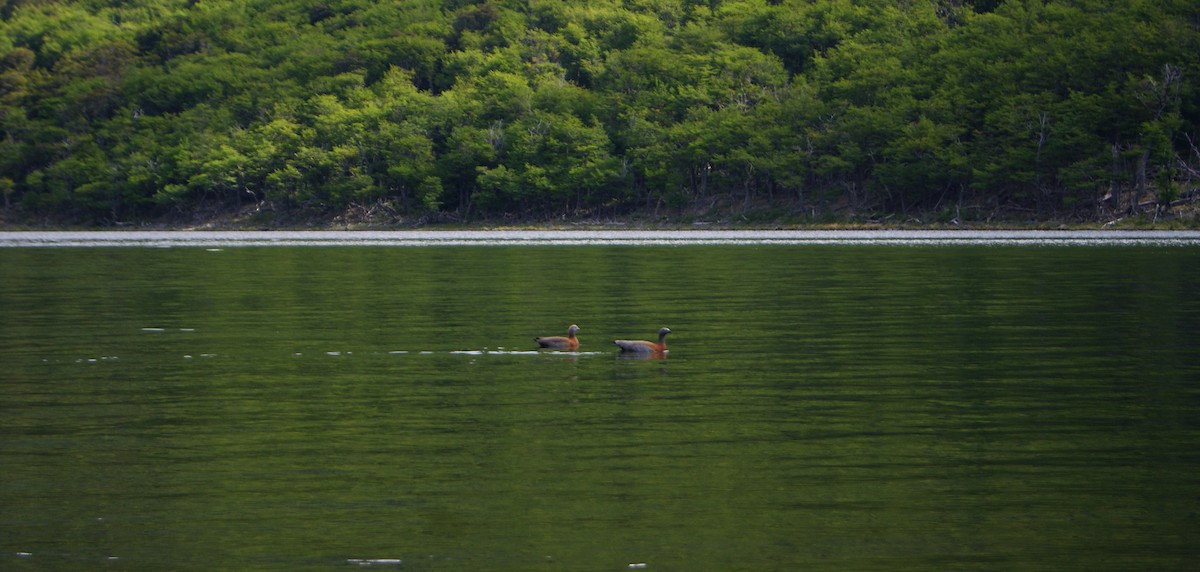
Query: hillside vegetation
{"type": "Point", "coordinates": [115, 112]}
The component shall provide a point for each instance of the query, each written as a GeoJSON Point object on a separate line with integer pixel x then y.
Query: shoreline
{"type": "Point", "coordinates": [218, 240]}
{"type": "Point", "coordinates": [613, 225]}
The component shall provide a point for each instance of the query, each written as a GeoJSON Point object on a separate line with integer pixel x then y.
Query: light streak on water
{"type": "Point", "coordinates": [417, 238]}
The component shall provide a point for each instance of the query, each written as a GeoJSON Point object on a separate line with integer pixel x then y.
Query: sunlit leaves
{"type": "Point", "coordinates": [539, 108]}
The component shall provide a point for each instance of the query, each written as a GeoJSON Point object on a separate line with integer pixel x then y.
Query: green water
{"type": "Point", "coordinates": [821, 408]}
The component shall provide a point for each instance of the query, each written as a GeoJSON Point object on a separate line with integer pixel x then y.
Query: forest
{"type": "Point", "coordinates": [425, 111]}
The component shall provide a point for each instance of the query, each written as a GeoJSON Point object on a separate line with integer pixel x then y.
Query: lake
{"type": "Point", "coordinates": [830, 401]}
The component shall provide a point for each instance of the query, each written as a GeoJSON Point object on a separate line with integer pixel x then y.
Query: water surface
{"type": "Point", "coordinates": [1012, 405]}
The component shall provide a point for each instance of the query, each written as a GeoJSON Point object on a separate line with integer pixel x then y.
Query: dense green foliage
{"type": "Point", "coordinates": [114, 111]}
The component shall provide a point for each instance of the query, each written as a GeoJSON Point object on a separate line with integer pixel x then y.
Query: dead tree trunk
{"type": "Point", "coordinates": [1114, 186]}
{"type": "Point", "coordinates": [1140, 180]}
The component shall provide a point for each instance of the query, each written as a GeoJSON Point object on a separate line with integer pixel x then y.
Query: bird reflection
{"type": "Point", "coordinates": [642, 355]}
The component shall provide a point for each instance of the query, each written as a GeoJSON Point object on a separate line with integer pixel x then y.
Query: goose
{"type": "Point", "coordinates": [558, 342]}
{"type": "Point", "coordinates": [643, 346]}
